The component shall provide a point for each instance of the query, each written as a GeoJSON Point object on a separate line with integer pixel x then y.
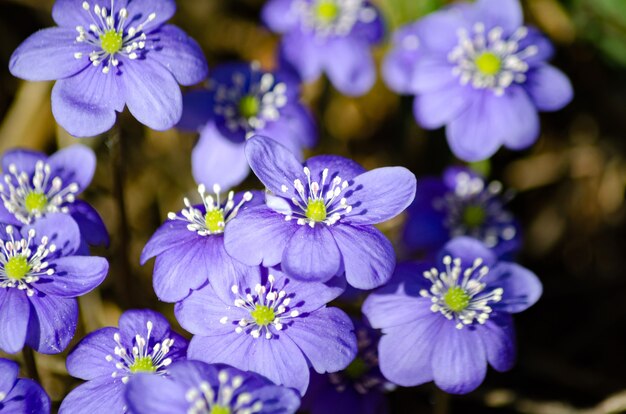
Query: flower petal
{"type": "Point", "coordinates": [60, 229]}
{"type": "Point", "coordinates": [139, 10]}
{"type": "Point", "coordinates": [152, 94]}
{"type": "Point", "coordinates": [337, 166]}
{"type": "Point", "coordinates": [169, 235]}
{"type": "Point", "coordinates": [302, 52]}
{"type": "Point", "coordinates": [435, 109]}
{"type": "Point", "coordinates": [326, 337]}
{"type": "Point", "coordinates": [424, 228]}
{"type": "Point", "coordinates": [379, 195]}
{"type": "Point", "coordinates": [197, 112]}
{"type": "Point", "coordinates": [92, 228]}
{"type": "Point", "coordinates": [350, 66]}
{"type": "Point", "coordinates": [180, 54]}
{"type": "Point", "coordinates": [49, 55]}
{"type": "Point", "coordinates": [368, 256]}
{"type": "Point", "coordinates": [506, 14]}
{"type": "Point", "coordinates": [498, 336]}
{"type": "Point", "coordinates": [9, 371]}
{"type": "Point", "coordinates": [217, 160]}
{"type": "Point", "coordinates": [295, 129]}
{"type": "Point", "coordinates": [273, 163]}
{"type": "Point", "coordinates": [522, 288]}
{"type": "Point", "coordinates": [74, 164]}
{"type": "Point", "coordinates": [24, 160]}
{"type": "Point", "coordinates": [52, 323]}
{"type": "Point", "coordinates": [385, 310]}
{"type": "Point", "coordinates": [26, 397]}
{"type": "Point", "coordinates": [280, 15]}
{"type": "Point", "coordinates": [155, 394]}
{"type": "Point", "coordinates": [432, 74]}
{"type": "Point", "coordinates": [103, 395]}
{"type": "Point", "coordinates": [258, 235]}
{"type": "Point", "coordinates": [468, 249]}
{"type": "Point", "coordinates": [549, 88]}
{"type": "Point", "coordinates": [135, 322]}
{"type": "Point", "coordinates": [87, 360]}
{"type": "Point", "coordinates": [459, 361]}
{"type": "Point", "coordinates": [14, 315]}
{"type": "Point", "coordinates": [74, 276]}
{"type": "Point", "coordinates": [312, 254]}
{"type": "Point", "coordinates": [438, 32]}
{"type": "Point", "coordinates": [398, 66]}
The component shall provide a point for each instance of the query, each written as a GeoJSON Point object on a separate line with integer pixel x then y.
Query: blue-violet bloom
{"type": "Point", "coordinates": [106, 56]}
{"type": "Point", "coordinates": [477, 70]}
{"type": "Point", "coordinates": [34, 185]}
{"type": "Point", "coordinates": [189, 246]}
{"type": "Point", "coordinates": [109, 358]}
{"type": "Point", "coordinates": [243, 100]}
{"type": "Point", "coordinates": [271, 324]}
{"type": "Point", "coordinates": [460, 203]}
{"type": "Point", "coordinates": [331, 36]}
{"type": "Point", "coordinates": [318, 219]}
{"type": "Point", "coordinates": [40, 278]}
{"type": "Point", "coordinates": [446, 321]}
{"type": "Point", "coordinates": [18, 395]}
{"type": "Point", "coordinates": [195, 387]}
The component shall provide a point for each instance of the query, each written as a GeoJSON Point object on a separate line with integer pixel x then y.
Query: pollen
{"type": "Point", "coordinates": [214, 220]}
{"type": "Point", "coordinates": [263, 315]}
{"type": "Point", "coordinates": [474, 216]}
{"type": "Point", "coordinates": [249, 106]}
{"type": "Point", "coordinates": [220, 409]}
{"type": "Point", "coordinates": [488, 63]}
{"type": "Point", "coordinates": [326, 11]}
{"type": "Point", "coordinates": [142, 364]}
{"type": "Point", "coordinates": [35, 201]}
{"type": "Point", "coordinates": [456, 298]}
{"type": "Point", "coordinates": [17, 267]}
{"type": "Point", "coordinates": [111, 41]}
{"type": "Point", "coordinates": [316, 210]}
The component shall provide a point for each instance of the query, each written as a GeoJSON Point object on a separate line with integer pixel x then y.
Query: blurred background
{"type": "Point", "coordinates": [569, 192]}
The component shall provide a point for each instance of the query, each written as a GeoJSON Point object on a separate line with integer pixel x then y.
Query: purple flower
{"type": "Point", "coordinates": [40, 278]}
{"type": "Point", "coordinates": [243, 100]}
{"type": "Point", "coordinates": [477, 70]}
{"type": "Point", "coordinates": [19, 395]}
{"type": "Point", "coordinates": [189, 247]}
{"type": "Point", "coordinates": [270, 324]}
{"type": "Point", "coordinates": [461, 203]}
{"type": "Point", "coordinates": [446, 322]}
{"type": "Point", "coordinates": [35, 185]}
{"type": "Point", "coordinates": [318, 219]}
{"type": "Point", "coordinates": [110, 357]}
{"type": "Point", "coordinates": [332, 36]}
{"type": "Point", "coordinates": [359, 388]}
{"type": "Point", "coordinates": [196, 387]}
{"type": "Point", "coordinates": [105, 58]}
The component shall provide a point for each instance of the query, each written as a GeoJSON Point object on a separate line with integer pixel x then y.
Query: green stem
{"type": "Point", "coordinates": [442, 402]}
{"type": "Point", "coordinates": [31, 365]}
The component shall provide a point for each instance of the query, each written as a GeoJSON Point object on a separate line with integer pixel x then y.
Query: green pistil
{"type": "Point", "coordinates": [326, 11]}
{"type": "Point", "coordinates": [142, 364]}
{"type": "Point", "coordinates": [220, 409]}
{"type": "Point", "coordinates": [356, 369]}
{"type": "Point", "coordinates": [316, 210]}
{"type": "Point", "coordinates": [249, 106]}
{"type": "Point", "coordinates": [474, 216]}
{"type": "Point", "coordinates": [17, 267]}
{"type": "Point", "coordinates": [456, 298]}
{"type": "Point", "coordinates": [488, 63]}
{"type": "Point", "coordinates": [35, 202]}
{"type": "Point", "coordinates": [263, 315]}
{"type": "Point", "coordinates": [214, 220]}
{"type": "Point", "coordinates": [111, 41]}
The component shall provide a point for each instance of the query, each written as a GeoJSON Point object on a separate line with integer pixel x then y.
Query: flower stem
{"type": "Point", "coordinates": [442, 402]}
{"type": "Point", "coordinates": [31, 365]}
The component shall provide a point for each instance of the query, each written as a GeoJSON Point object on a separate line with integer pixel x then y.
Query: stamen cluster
{"type": "Point", "coordinates": [333, 17]}
{"type": "Point", "coordinates": [207, 400]}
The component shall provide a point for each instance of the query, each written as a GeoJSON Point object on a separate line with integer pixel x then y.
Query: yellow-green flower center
{"type": "Point", "coordinates": [143, 364]}
{"type": "Point", "coordinates": [220, 409]}
{"type": "Point", "coordinates": [316, 210]}
{"type": "Point", "coordinates": [111, 41]}
{"type": "Point", "coordinates": [488, 63]}
{"type": "Point", "coordinates": [214, 220]}
{"type": "Point", "coordinates": [326, 11]}
{"type": "Point", "coordinates": [35, 202]}
{"type": "Point", "coordinates": [249, 106]}
{"type": "Point", "coordinates": [456, 298]}
{"type": "Point", "coordinates": [356, 369]}
{"type": "Point", "coordinates": [474, 216]}
{"type": "Point", "coordinates": [263, 315]}
{"type": "Point", "coordinates": [17, 267]}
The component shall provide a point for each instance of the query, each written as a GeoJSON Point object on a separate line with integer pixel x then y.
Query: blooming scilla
{"type": "Point", "coordinates": [105, 55]}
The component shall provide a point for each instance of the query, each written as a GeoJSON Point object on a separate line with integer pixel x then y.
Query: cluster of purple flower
{"type": "Point", "coordinates": [252, 273]}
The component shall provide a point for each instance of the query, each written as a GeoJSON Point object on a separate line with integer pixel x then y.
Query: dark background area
{"type": "Point", "coordinates": [569, 192]}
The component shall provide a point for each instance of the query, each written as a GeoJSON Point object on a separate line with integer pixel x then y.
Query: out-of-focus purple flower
{"type": "Point", "coordinates": [461, 203]}
{"type": "Point", "coordinates": [243, 100]}
{"type": "Point", "coordinates": [359, 388]}
{"type": "Point", "coordinates": [318, 219]}
{"type": "Point", "coordinates": [34, 185]}
{"type": "Point", "coordinates": [106, 56]}
{"type": "Point", "coordinates": [331, 36]}
{"type": "Point", "coordinates": [197, 387]}
{"type": "Point", "coordinates": [109, 358]}
{"type": "Point", "coordinates": [446, 321]}
{"type": "Point", "coordinates": [189, 247]}
{"type": "Point", "coordinates": [271, 324]}
{"type": "Point", "coordinates": [40, 278]}
{"type": "Point", "coordinates": [19, 395]}
{"type": "Point", "coordinates": [477, 70]}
